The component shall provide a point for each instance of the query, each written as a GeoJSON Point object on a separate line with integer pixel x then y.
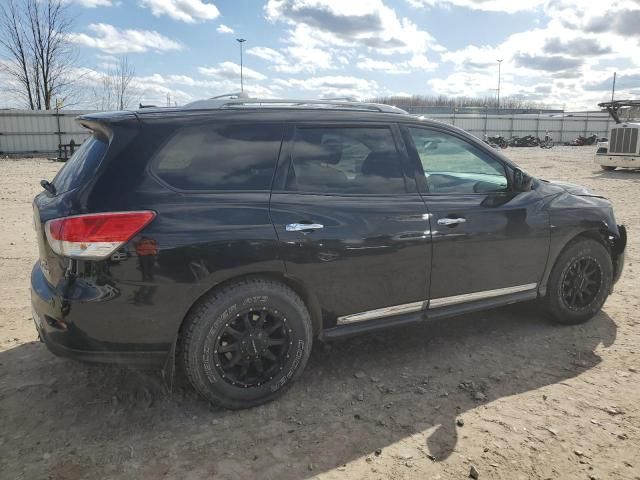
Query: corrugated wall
{"type": "Point", "coordinates": [40, 132]}
{"type": "Point", "coordinates": [561, 128]}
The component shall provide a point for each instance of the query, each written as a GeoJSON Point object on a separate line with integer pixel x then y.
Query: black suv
{"type": "Point", "coordinates": [223, 236]}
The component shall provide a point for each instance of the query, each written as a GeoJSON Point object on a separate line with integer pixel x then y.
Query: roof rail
{"type": "Point", "coordinates": [227, 101]}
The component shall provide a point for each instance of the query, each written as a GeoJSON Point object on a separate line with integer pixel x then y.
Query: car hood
{"type": "Point", "coordinates": [572, 188]}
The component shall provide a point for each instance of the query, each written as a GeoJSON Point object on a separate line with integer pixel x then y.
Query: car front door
{"type": "Point", "coordinates": [488, 240]}
{"type": "Point", "coordinates": [351, 224]}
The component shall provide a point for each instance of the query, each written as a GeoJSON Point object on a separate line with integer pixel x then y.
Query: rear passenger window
{"type": "Point", "coordinates": [345, 160]}
{"type": "Point", "coordinates": [232, 157]}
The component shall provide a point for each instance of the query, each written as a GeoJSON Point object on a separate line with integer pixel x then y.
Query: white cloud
{"type": "Point", "coordinates": [189, 11]}
{"type": "Point", "coordinates": [268, 54]}
{"type": "Point", "coordinates": [294, 59]}
{"type": "Point", "coordinates": [336, 85]}
{"type": "Point", "coordinates": [357, 23]}
{"type": "Point", "coordinates": [110, 39]}
{"type": "Point", "coordinates": [153, 89]}
{"type": "Point", "coordinates": [231, 71]}
{"type": "Point", "coordinates": [327, 34]}
{"type": "Point", "coordinates": [508, 6]}
{"type": "Point", "coordinates": [568, 59]}
{"type": "Point", "coordinates": [107, 62]}
{"type": "Point", "coordinates": [205, 88]}
{"type": "Point", "coordinates": [224, 29]}
{"type": "Point", "coordinates": [371, 65]}
{"type": "Point", "coordinates": [417, 62]}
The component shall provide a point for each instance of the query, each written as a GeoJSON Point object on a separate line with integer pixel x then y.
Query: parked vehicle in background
{"type": "Point", "coordinates": [224, 236]}
{"type": "Point", "coordinates": [581, 141]}
{"type": "Point", "coordinates": [547, 142]}
{"type": "Point", "coordinates": [623, 146]}
{"type": "Point", "coordinates": [526, 141]}
{"type": "Point", "coordinates": [497, 141]}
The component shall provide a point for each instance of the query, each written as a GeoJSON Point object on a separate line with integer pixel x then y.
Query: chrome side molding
{"type": "Point", "coordinates": [435, 303]}
{"type": "Point", "coordinates": [382, 312]}
{"type": "Point", "coordinates": [470, 297]}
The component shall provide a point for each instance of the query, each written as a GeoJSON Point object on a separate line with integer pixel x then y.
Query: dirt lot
{"type": "Point", "coordinates": [504, 391]}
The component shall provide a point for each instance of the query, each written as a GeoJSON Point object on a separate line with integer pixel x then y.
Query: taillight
{"type": "Point", "coordinates": [95, 235]}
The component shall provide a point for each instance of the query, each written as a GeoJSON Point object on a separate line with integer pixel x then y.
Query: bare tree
{"type": "Point", "coordinates": [124, 75]}
{"type": "Point", "coordinates": [34, 40]}
{"type": "Point", "coordinates": [115, 90]}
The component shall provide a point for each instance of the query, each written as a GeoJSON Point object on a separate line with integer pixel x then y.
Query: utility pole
{"type": "Point", "coordinates": [613, 88]}
{"type": "Point", "coordinates": [241, 41]}
{"type": "Point", "coordinates": [499, 72]}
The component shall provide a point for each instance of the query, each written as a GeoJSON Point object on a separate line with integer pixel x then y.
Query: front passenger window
{"type": "Point", "coordinates": [452, 165]}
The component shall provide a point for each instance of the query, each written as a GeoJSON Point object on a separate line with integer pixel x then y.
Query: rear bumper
{"type": "Point", "coordinates": [68, 333]}
{"type": "Point", "coordinates": [140, 359]}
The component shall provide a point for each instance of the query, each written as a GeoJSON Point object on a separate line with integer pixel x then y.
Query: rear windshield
{"type": "Point", "coordinates": [82, 164]}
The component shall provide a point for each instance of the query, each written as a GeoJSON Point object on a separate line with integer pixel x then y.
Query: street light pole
{"type": "Point", "coordinates": [241, 41]}
{"type": "Point", "coordinates": [499, 65]}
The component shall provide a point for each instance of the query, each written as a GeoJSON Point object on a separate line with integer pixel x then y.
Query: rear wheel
{"type": "Point", "coordinates": [246, 343]}
{"type": "Point", "coordinates": [607, 168]}
{"type": "Point", "coordinates": [580, 282]}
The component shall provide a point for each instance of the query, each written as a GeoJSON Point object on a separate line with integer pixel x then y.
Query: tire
{"type": "Point", "coordinates": [607, 168]}
{"type": "Point", "coordinates": [584, 255]}
{"type": "Point", "coordinates": [264, 304]}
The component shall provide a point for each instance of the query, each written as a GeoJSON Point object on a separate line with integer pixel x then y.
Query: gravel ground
{"type": "Point", "coordinates": [505, 391]}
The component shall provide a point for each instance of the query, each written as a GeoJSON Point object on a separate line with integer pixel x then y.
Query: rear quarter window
{"type": "Point", "coordinates": [214, 157]}
{"type": "Point", "coordinates": [81, 165]}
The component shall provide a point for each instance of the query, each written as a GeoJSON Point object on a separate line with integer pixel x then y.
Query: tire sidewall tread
{"type": "Point", "coordinates": [209, 317]}
{"type": "Point", "coordinates": [579, 248]}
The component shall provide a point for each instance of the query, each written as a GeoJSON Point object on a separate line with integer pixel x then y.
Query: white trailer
{"type": "Point", "coordinates": [623, 148]}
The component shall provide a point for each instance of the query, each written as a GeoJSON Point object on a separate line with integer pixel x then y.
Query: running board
{"type": "Point", "coordinates": [356, 328]}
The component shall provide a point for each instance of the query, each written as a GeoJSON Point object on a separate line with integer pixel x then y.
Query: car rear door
{"type": "Point", "coordinates": [350, 223]}
{"type": "Point", "coordinates": [488, 241]}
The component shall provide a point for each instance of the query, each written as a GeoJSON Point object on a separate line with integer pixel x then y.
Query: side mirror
{"type": "Point", "coordinates": [521, 181]}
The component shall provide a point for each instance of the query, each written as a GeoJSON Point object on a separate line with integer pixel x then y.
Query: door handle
{"type": "Point", "coordinates": [451, 221]}
{"type": "Point", "coordinates": [303, 227]}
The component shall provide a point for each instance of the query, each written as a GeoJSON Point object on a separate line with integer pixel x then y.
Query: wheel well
{"type": "Point", "coordinates": [602, 236]}
{"type": "Point", "coordinates": [599, 235]}
{"type": "Point", "coordinates": [309, 299]}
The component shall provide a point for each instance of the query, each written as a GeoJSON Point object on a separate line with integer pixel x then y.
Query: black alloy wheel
{"type": "Point", "coordinates": [581, 283]}
{"type": "Point", "coordinates": [244, 344]}
{"type": "Point", "coordinates": [252, 348]}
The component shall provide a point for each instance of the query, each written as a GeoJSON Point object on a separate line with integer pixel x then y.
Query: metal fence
{"type": "Point", "coordinates": [29, 132]}
{"type": "Point", "coordinates": [561, 127]}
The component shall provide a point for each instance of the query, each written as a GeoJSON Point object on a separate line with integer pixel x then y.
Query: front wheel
{"type": "Point", "coordinates": [580, 282]}
{"type": "Point", "coordinates": [246, 343]}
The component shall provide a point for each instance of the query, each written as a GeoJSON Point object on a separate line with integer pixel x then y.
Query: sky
{"type": "Point", "coordinates": [559, 52]}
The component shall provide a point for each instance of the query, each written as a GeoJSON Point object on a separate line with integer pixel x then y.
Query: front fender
{"type": "Point", "coordinates": [571, 216]}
